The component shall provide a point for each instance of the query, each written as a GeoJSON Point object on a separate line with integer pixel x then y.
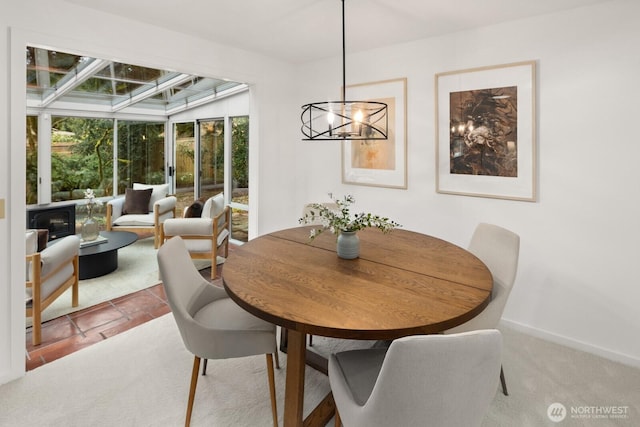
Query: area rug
{"type": "Point", "coordinates": [141, 378]}
{"type": "Point", "coordinates": [137, 270]}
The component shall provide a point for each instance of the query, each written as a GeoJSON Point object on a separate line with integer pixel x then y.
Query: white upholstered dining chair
{"type": "Point", "coordinates": [211, 324]}
{"type": "Point", "coordinates": [438, 380]}
{"type": "Point", "coordinates": [499, 249]}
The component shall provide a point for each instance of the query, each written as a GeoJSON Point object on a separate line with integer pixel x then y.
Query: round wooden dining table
{"type": "Point", "coordinates": [403, 283]}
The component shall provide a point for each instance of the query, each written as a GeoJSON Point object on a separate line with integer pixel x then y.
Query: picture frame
{"type": "Point", "coordinates": [379, 163]}
{"type": "Point", "coordinates": [486, 131]}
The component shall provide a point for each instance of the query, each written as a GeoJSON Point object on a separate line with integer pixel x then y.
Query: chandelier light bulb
{"type": "Point", "coordinates": [330, 117]}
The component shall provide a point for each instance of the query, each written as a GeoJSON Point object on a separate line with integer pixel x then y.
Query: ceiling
{"type": "Point", "coordinates": [56, 79]}
{"type": "Point", "coordinates": [303, 30]}
{"type": "Point", "coordinates": [298, 31]}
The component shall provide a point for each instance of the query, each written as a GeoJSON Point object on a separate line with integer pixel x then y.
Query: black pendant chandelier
{"type": "Point", "coordinates": [344, 120]}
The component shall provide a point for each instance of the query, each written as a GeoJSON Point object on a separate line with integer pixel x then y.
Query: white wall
{"type": "Point", "coordinates": [577, 281]}
{"type": "Point", "coordinates": [57, 24]}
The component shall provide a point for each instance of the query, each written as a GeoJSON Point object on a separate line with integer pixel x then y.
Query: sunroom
{"type": "Point", "coordinates": [102, 124]}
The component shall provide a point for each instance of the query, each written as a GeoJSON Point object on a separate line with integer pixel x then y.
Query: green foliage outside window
{"type": "Point", "coordinates": [32, 160]}
{"type": "Point", "coordinates": [140, 153]}
{"type": "Point", "coordinates": [81, 157]}
{"type": "Point", "coordinates": [240, 153]}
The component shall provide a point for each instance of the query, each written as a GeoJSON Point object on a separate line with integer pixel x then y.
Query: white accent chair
{"type": "Point", "coordinates": [161, 207]}
{"type": "Point", "coordinates": [499, 249]}
{"type": "Point", "coordinates": [49, 273]}
{"type": "Point", "coordinates": [438, 380]}
{"type": "Point", "coordinates": [211, 324]}
{"type": "Point", "coordinates": [203, 236]}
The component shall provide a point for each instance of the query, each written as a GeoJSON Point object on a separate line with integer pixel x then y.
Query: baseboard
{"type": "Point", "coordinates": [10, 375]}
{"type": "Point", "coordinates": [572, 343]}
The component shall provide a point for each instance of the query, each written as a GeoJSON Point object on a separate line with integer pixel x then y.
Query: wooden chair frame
{"type": "Point", "coordinates": [156, 227]}
{"type": "Point", "coordinates": [217, 227]}
{"type": "Point", "coordinates": [37, 304]}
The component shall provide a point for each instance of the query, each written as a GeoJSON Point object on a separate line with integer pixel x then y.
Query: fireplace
{"type": "Point", "coordinates": [60, 220]}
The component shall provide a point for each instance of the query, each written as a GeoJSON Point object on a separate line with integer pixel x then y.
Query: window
{"type": "Point", "coordinates": [82, 153]}
{"type": "Point", "coordinates": [140, 153]}
{"type": "Point", "coordinates": [184, 145]}
{"type": "Point", "coordinates": [240, 174]}
{"type": "Point", "coordinates": [211, 157]}
{"type": "Point", "coordinates": [81, 157]}
{"type": "Point", "coordinates": [32, 160]}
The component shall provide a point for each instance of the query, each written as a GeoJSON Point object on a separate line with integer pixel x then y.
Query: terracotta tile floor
{"type": "Point", "coordinates": [66, 334]}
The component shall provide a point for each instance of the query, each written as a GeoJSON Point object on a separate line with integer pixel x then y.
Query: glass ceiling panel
{"type": "Point", "coordinates": [54, 77]}
{"type": "Point", "coordinates": [52, 60]}
{"type": "Point", "coordinates": [131, 72]}
{"type": "Point", "coordinates": [95, 85]}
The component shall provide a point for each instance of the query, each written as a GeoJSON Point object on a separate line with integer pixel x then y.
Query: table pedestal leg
{"type": "Point", "coordinates": [294, 389]}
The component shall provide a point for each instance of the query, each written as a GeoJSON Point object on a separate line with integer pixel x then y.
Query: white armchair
{"type": "Point", "coordinates": [160, 208]}
{"type": "Point", "coordinates": [49, 274]}
{"type": "Point", "coordinates": [203, 236]}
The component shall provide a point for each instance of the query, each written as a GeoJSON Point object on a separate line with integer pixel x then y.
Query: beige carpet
{"type": "Point", "coordinates": [137, 269]}
{"type": "Point", "coordinates": [141, 377]}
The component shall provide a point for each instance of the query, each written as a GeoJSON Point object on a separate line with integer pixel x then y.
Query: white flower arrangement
{"type": "Point", "coordinates": [91, 200]}
{"type": "Point", "coordinates": [339, 220]}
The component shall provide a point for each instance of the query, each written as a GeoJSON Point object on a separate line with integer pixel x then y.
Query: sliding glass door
{"type": "Point", "coordinates": [211, 137]}
{"type": "Point", "coordinates": [211, 157]}
{"type": "Point", "coordinates": [199, 149]}
{"type": "Point", "coordinates": [184, 144]}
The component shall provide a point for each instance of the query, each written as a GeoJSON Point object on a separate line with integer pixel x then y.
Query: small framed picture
{"type": "Point", "coordinates": [379, 163]}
